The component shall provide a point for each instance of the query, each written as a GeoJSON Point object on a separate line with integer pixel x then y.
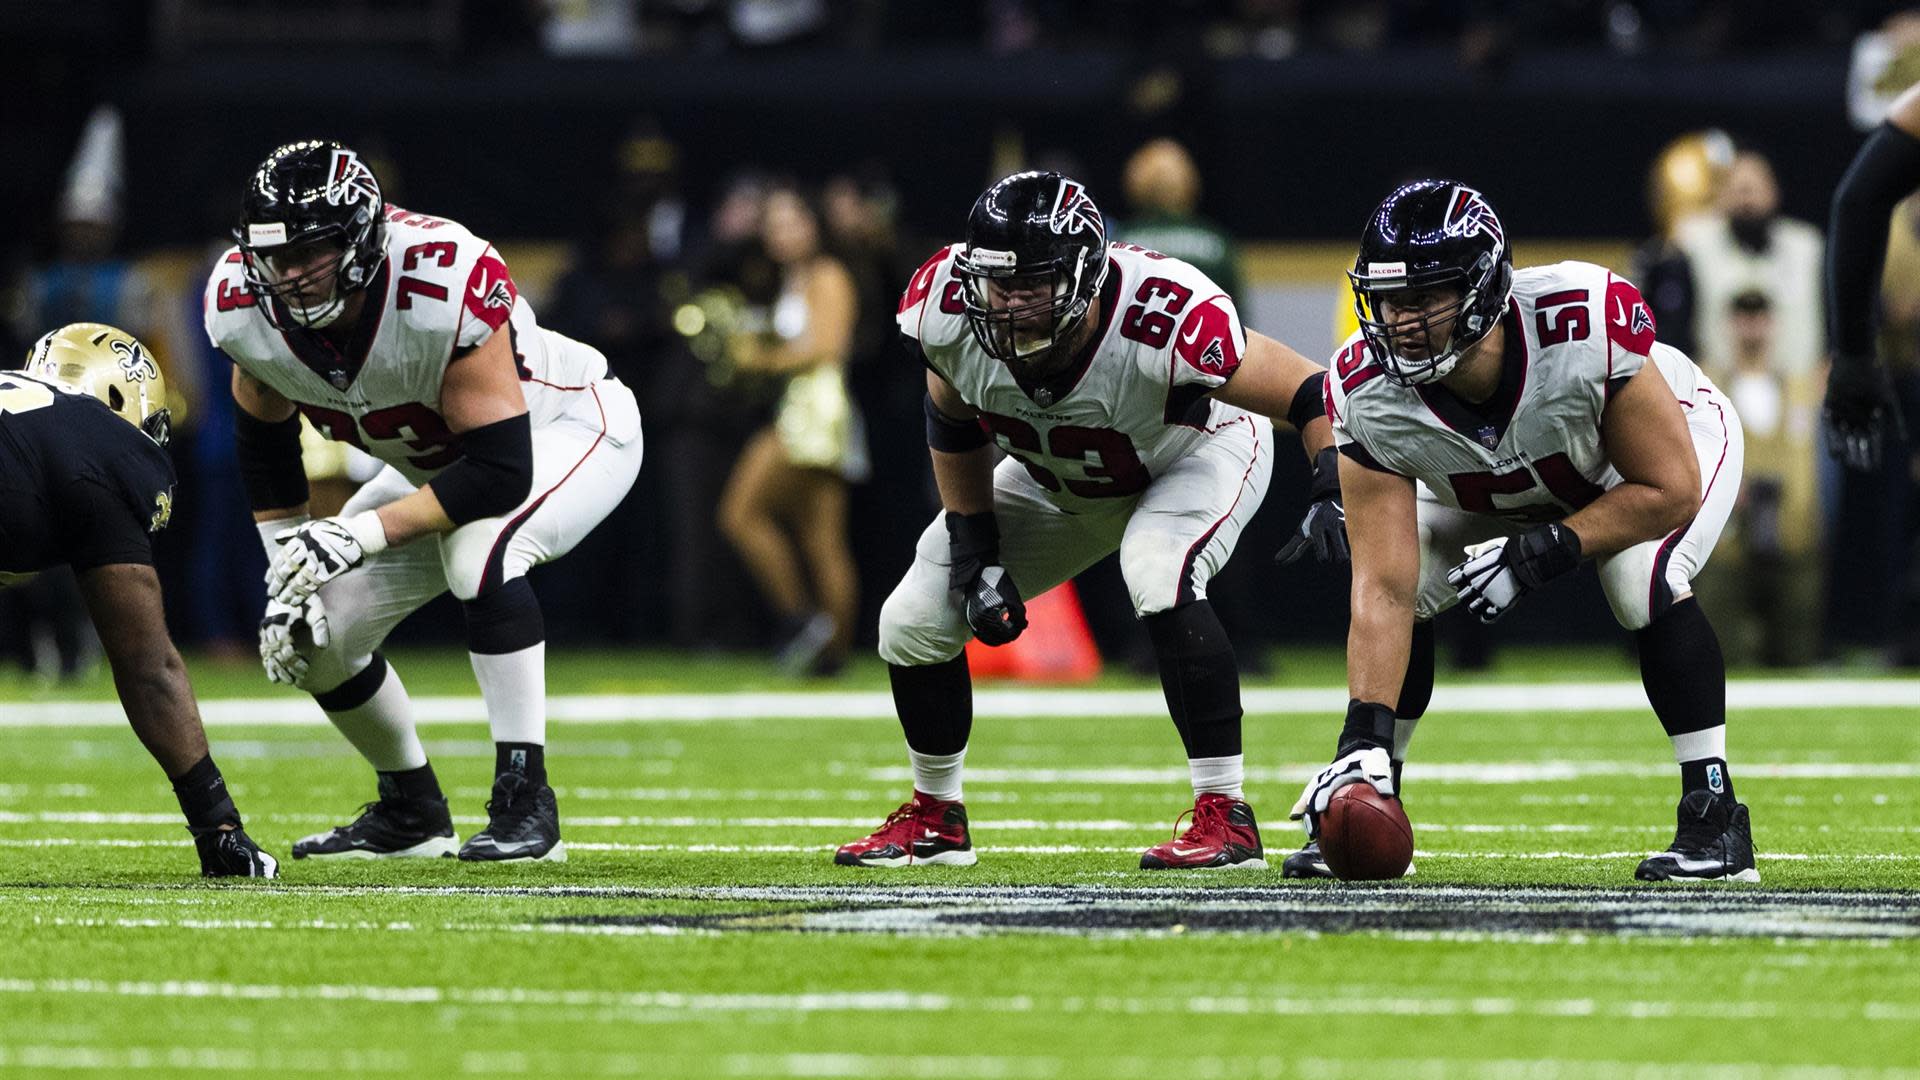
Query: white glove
{"type": "Point", "coordinates": [280, 651]}
{"type": "Point", "coordinates": [270, 532]}
{"type": "Point", "coordinates": [1370, 765]}
{"type": "Point", "coordinates": [1485, 582]}
{"type": "Point", "coordinates": [319, 551]}
{"type": "Point", "coordinates": [1499, 572]}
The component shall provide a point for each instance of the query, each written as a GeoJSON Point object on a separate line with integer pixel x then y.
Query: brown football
{"type": "Point", "coordinates": [1365, 836]}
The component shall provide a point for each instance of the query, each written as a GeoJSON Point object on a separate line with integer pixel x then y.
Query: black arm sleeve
{"type": "Point", "coordinates": [1886, 170]}
{"type": "Point", "coordinates": [494, 473]}
{"type": "Point", "coordinates": [1309, 402]}
{"type": "Point", "coordinates": [270, 465]}
{"type": "Point", "coordinates": [951, 436]}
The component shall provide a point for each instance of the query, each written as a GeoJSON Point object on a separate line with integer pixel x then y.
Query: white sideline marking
{"type": "Point", "coordinates": [299, 711]}
{"type": "Point", "coordinates": [1438, 772]}
{"type": "Point", "coordinates": [918, 1001]}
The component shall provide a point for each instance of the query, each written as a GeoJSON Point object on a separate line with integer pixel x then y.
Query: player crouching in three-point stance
{"type": "Point", "coordinates": [505, 444]}
{"type": "Point", "coordinates": [85, 480]}
{"type": "Point", "coordinates": [1129, 400]}
{"type": "Point", "coordinates": [1532, 415]}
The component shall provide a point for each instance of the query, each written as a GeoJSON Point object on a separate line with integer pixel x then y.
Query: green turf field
{"type": "Point", "coordinates": [699, 929]}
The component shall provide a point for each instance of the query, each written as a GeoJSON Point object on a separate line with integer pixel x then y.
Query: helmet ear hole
{"type": "Point", "coordinates": [116, 400]}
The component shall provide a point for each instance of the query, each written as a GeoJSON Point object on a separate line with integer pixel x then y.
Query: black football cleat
{"type": "Point", "coordinates": [1714, 842]}
{"type": "Point", "coordinates": [387, 829]}
{"type": "Point", "coordinates": [1305, 863]}
{"type": "Point", "coordinates": [232, 853]}
{"type": "Point", "coordinates": [523, 822]}
{"type": "Point", "coordinates": [1308, 863]}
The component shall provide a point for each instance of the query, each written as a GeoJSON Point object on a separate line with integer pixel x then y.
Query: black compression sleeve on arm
{"type": "Point", "coordinates": [1886, 170]}
{"type": "Point", "coordinates": [494, 473]}
{"type": "Point", "coordinates": [1309, 402]}
{"type": "Point", "coordinates": [951, 436]}
{"type": "Point", "coordinates": [270, 465]}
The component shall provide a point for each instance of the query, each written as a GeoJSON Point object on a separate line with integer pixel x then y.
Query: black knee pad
{"type": "Point", "coordinates": [505, 620]}
{"type": "Point", "coordinates": [357, 690]}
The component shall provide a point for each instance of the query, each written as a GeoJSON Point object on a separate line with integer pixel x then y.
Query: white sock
{"type": "Point", "coordinates": [514, 687]}
{"type": "Point", "coordinates": [1218, 775]}
{"type": "Point", "coordinates": [1698, 745]}
{"type": "Point", "coordinates": [937, 776]}
{"type": "Point", "coordinates": [1402, 735]}
{"type": "Point", "coordinates": [382, 728]}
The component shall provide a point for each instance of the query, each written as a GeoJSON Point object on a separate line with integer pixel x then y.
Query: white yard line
{"type": "Point", "coordinates": [295, 710]}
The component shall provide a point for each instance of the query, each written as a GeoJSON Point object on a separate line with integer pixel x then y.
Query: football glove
{"type": "Point", "coordinates": [315, 553]}
{"type": "Point", "coordinates": [1501, 571]}
{"type": "Point", "coordinates": [286, 632]}
{"type": "Point", "coordinates": [1861, 410]}
{"type": "Point", "coordinates": [232, 853]}
{"type": "Point", "coordinates": [1365, 765]}
{"type": "Point", "coordinates": [993, 605]}
{"type": "Point", "coordinates": [1323, 530]}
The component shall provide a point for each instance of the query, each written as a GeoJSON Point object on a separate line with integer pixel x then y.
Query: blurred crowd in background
{"type": "Point", "coordinates": [786, 476]}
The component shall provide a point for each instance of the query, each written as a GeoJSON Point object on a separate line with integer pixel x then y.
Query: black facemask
{"type": "Point", "coordinates": [1751, 231]}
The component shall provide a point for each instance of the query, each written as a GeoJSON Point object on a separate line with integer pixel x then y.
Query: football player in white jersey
{"type": "Point", "coordinates": [1496, 428]}
{"type": "Point", "coordinates": [504, 443]}
{"type": "Point", "coordinates": [1130, 403]}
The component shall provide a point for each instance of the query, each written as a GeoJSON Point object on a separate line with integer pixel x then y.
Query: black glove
{"type": "Point", "coordinates": [1861, 411]}
{"type": "Point", "coordinates": [1323, 530]}
{"type": "Point", "coordinates": [994, 609]}
{"type": "Point", "coordinates": [232, 853]}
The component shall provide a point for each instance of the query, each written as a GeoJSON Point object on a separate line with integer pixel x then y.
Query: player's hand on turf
{"type": "Point", "coordinates": [1501, 571]}
{"type": "Point", "coordinates": [1861, 411]}
{"type": "Point", "coordinates": [1323, 529]}
{"type": "Point", "coordinates": [281, 633]}
{"type": "Point", "coordinates": [993, 605]}
{"type": "Point", "coordinates": [232, 853]}
{"type": "Point", "coordinates": [316, 552]}
{"type": "Point", "coordinates": [1366, 765]}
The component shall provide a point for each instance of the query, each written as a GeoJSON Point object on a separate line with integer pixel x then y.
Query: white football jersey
{"type": "Point", "coordinates": [1135, 402]}
{"type": "Point", "coordinates": [440, 290]}
{"type": "Point", "coordinates": [1533, 452]}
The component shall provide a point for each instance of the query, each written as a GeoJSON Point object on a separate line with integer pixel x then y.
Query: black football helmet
{"type": "Point", "coordinates": [309, 193]}
{"type": "Point", "coordinates": [1039, 231]}
{"type": "Point", "coordinates": [1431, 234]}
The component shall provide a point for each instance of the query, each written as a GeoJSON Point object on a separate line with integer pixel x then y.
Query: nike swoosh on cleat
{"type": "Point", "coordinates": [1184, 852]}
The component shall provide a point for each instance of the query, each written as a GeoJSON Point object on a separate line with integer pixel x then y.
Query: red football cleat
{"type": "Point", "coordinates": [1223, 834]}
{"type": "Point", "coordinates": [923, 831]}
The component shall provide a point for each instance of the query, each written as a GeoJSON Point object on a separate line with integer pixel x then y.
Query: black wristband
{"type": "Point", "coordinates": [951, 436]}
{"type": "Point", "coordinates": [494, 473]}
{"type": "Point", "coordinates": [1309, 402]}
{"type": "Point", "coordinates": [1543, 553]}
{"type": "Point", "coordinates": [270, 465]}
{"type": "Point", "coordinates": [1369, 724]}
{"type": "Point", "coordinates": [204, 800]}
{"type": "Point", "coordinates": [973, 543]}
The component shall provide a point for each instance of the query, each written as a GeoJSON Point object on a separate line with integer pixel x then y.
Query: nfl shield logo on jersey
{"type": "Point", "coordinates": [1488, 437]}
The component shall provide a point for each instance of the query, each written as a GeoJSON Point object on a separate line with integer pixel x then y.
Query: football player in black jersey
{"type": "Point", "coordinates": [85, 480]}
